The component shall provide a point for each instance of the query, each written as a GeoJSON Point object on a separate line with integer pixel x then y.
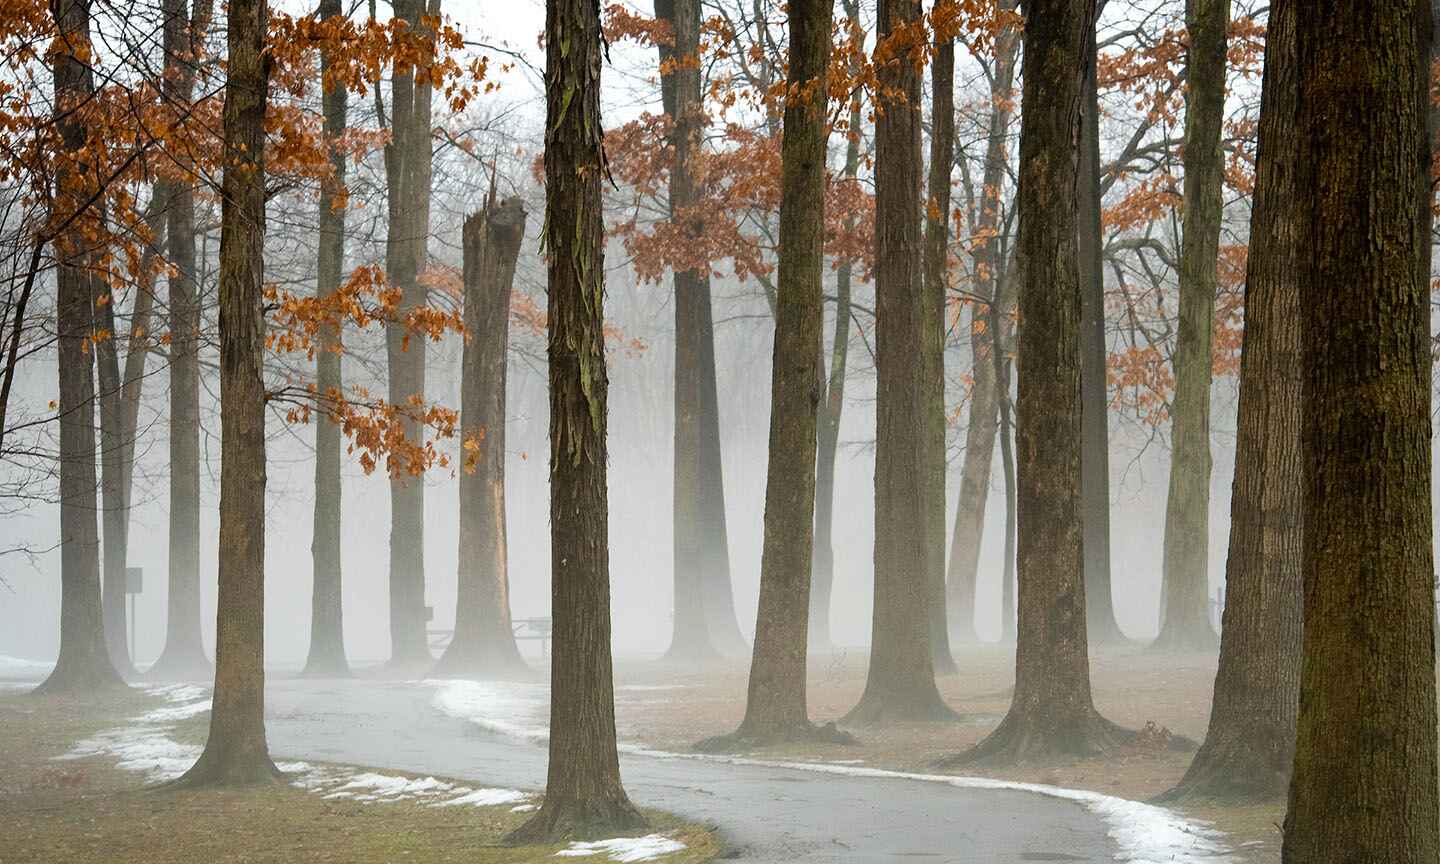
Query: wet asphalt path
{"type": "Point", "coordinates": [764, 814]}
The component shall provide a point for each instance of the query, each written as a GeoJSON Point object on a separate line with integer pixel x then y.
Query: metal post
{"type": "Point", "coordinates": [132, 628]}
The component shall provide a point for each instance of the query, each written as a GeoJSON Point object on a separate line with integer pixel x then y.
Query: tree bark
{"type": "Point", "coordinates": [484, 641]}
{"type": "Point", "coordinates": [235, 751]}
{"type": "Point", "coordinates": [583, 794]}
{"type": "Point", "coordinates": [183, 657]}
{"type": "Point", "coordinates": [900, 684]}
{"type": "Point", "coordinates": [1364, 784]}
{"type": "Point", "coordinates": [985, 395]}
{"type": "Point", "coordinates": [775, 710]}
{"type": "Point", "coordinates": [84, 663]}
{"type": "Point", "coordinates": [1186, 625]}
{"type": "Point", "coordinates": [1095, 418]}
{"type": "Point", "coordinates": [1250, 744]}
{"type": "Point", "coordinates": [1052, 713]}
{"type": "Point", "coordinates": [705, 626]}
{"type": "Point", "coordinates": [407, 170]}
{"type": "Point", "coordinates": [327, 619]}
{"type": "Point", "coordinates": [932, 344]}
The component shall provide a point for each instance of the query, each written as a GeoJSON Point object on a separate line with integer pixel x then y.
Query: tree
{"type": "Point", "coordinates": [1364, 784]}
{"type": "Point", "coordinates": [704, 621]}
{"type": "Point", "coordinates": [407, 173]}
{"type": "Point", "coordinates": [985, 350]}
{"type": "Point", "coordinates": [235, 752]}
{"type": "Point", "coordinates": [1250, 744]}
{"type": "Point", "coordinates": [327, 620]}
{"type": "Point", "coordinates": [775, 708]}
{"type": "Point", "coordinates": [1052, 712]}
{"type": "Point", "coordinates": [583, 795]}
{"type": "Point", "coordinates": [84, 663]}
{"type": "Point", "coordinates": [900, 684]}
{"type": "Point", "coordinates": [183, 657]}
{"type": "Point", "coordinates": [484, 643]}
{"type": "Point", "coordinates": [1186, 574]}
{"type": "Point", "coordinates": [934, 287]}
{"type": "Point", "coordinates": [1095, 416]}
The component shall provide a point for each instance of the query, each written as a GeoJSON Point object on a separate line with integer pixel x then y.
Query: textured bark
{"type": "Point", "coordinates": [999, 317]}
{"type": "Point", "coordinates": [235, 751]}
{"type": "Point", "coordinates": [932, 344]}
{"type": "Point", "coordinates": [115, 515]}
{"type": "Point", "coordinates": [822, 569]}
{"type": "Point", "coordinates": [775, 709]}
{"type": "Point", "coordinates": [84, 663]}
{"type": "Point", "coordinates": [1052, 713]}
{"type": "Point", "coordinates": [900, 684]}
{"type": "Point", "coordinates": [407, 172]}
{"type": "Point", "coordinates": [1095, 418]}
{"type": "Point", "coordinates": [985, 395]}
{"type": "Point", "coordinates": [1364, 784]}
{"type": "Point", "coordinates": [1250, 744]}
{"type": "Point", "coordinates": [327, 619]}
{"type": "Point", "coordinates": [1186, 625]}
{"type": "Point", "coordinates": [705, 627]}
{"type": "Point", "coordinates": [583, 795]}
{"type": "Point", "coordinates": [183, 657]}
{"type": "Point", "coordinates": [484, 641]}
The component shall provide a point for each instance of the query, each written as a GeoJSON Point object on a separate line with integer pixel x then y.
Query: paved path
{"type": "Point", "coordinates": [765, 814]}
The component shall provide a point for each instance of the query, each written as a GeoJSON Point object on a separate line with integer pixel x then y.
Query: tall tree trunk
{"type": "Point", "coordinates": [932, 344]}
{"type": "Point", "coordinates": [183, 657]}
{"type": "Point", "coordinates": [484, 642]}
{"type": "Point", "coordinates": [1250, 744]}
{"type": "Point", "coordinates": [985, 395]}
{"type": "Point", "coordinates": [1095, 418]}
{"type": "Point", "coordinates": [114, 508]}
{"type": "Point", "coordinates": [327, 619]}
{"type": "Point", "coordinates": [84, 664]}
{"type": "Point", "coordinates": [832, 406]}
{"type": "Point", "coordinates": [1052, 712]}
{"type": "Point", "coordinates": [235, 751]}
{"type": "Point", "coordinates": [704, 610]}
{"type": "Point", "coordinates": [1003, 365]}
{"type": "Point", "coordinates": [900, 684]}
{"type": "Point", "coordinates": [775, 709]}
{"type": "Point", "coordinates": [583, 795]}
{"type": "Point", "coordinates": [407, 171]}
{"type": "Point", "coordinates": [1186, 625]}
{"type": "Point", "coordinates": [1364, 784]}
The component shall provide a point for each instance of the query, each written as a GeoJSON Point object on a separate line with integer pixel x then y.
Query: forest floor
{"type": "Point", "coordinates": [1132, 686]}
{"type": "Point", "coordinates": [55, 807]}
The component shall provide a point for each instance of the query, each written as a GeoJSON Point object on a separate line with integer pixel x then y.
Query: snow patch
{"type": "Point", "coordinates": [623, 849]}
{"type": "Point", "coordinates": [489, 798]}
{"type": "Point", "coordinates": [517, 710]}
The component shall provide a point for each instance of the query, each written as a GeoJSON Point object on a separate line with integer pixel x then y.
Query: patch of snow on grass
{"type": "Point", "coordinates": [488, 798]}
{"type": "Point", "coordinates": [149, 751]}
{"type": "Point", "coordinates": [625, 849]}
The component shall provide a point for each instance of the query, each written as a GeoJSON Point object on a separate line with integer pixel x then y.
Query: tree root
{"type": "Point", "coordinates": [1239, 772]}
{"type": "Point", "coordinates": [482, 665]}
{"type": "Point", "coordinates": [1020, 739]}
{"type": "Point", "coordinates": [181, 665]}
{"type": "Point", "coordinates": [881, 705]}
{"type": "Point", "coordinates": [743, 740]}
{"type": "Point", "coordinates": [568, 819]}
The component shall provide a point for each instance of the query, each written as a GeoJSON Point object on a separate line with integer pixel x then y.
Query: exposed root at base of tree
{"type": "Point", "coordinates": [228, 767]}
{"type": "Point", "coordinates": [181, 665]}
{"type": "Point", "coordinates": [885, 705]}
{"type": "Point", "coordinates": [1239, 772]}
{"type": "Point", "coordinates": [1023, 738]}
{"type": "Point", "coordinates": [482, 665]}
{"type": "Point", "coordinates": [745, 739]}
{"type": "Point", "coordinates": [81, 679]}
{"type": "Point", "coordinates": [564, 820]}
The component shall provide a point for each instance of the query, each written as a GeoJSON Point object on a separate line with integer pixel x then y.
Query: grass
{"type": "Point", "coordinates": [86, 811]}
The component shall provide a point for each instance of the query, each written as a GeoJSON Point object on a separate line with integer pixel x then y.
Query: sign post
{"type": "Point", "coordinates": [134, 584]}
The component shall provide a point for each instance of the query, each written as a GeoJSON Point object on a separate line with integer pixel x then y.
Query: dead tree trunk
{"type": "Point", "coordinates": [183, 657]}
{"type": "Point", "coordinates": [1364, 784]}
{"type": "Point", "coordinates": [235, 751]}
{"type": "Point", "coordinates": [775, 710]}
{"type": "Point", "coordinates": [583, 795]}
{"type": "Point", "coordinates": [900, 684]}
{"type": "Point", "coordinates": [985, 395]}
{"type": "Point", "coordinates": [1250, 745]}
{"type": "Point", "coordinates": [484, 642]}
{"type": "Point", "coordinates": [84, 664]}
{"type": "Point", "coordinates": [932, 343]}
{"type": "Point", "coordinates": [327, 619]}
{"type": "Point", "coordinates": [1186, 626]}
{"type": "Point", "coordinates": [1052, 712]}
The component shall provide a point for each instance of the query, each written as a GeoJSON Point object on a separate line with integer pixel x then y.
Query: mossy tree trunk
{"type": "Point", "coordinates": [1186, 623]}
{"type": "Point", "coordinates": [1364, 783]}
{"type": "Point", "coordinates": [900, 684]}
{"type": "Point", "coordinates": [1250, 744]}
{"type": "Point", "coordinates": [235, 752]}
{"type": "Point", "coordinates": [583, 794]}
